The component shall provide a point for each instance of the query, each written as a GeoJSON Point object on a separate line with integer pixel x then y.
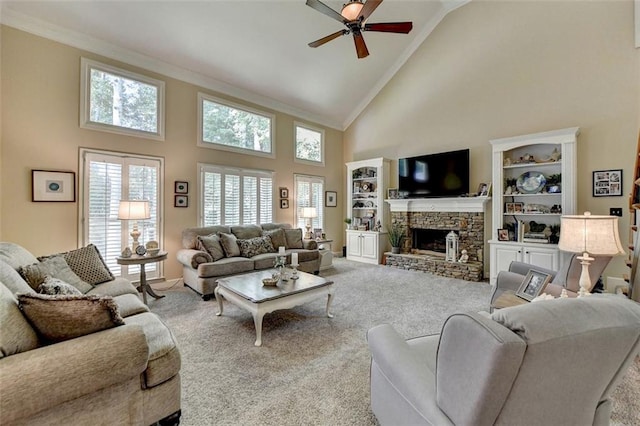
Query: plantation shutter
{"type": "Point", "coordinates": [309, 193]}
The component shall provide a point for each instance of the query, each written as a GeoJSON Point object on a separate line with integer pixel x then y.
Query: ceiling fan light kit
{"type": "Point", "coordinates": [353, 16]}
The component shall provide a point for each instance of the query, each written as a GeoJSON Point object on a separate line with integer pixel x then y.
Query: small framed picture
{"type": "Point", "coordinates": [509, 208]}
{"type": "Point", "coordinates": [284, 203]}
{"type": "Point", "coordinates": [180, 201]}
{"type": "Point", "coordinates": [484, 189]}
{"type": "Point", "coordinates": [607, 183]}
{"type": "Point", "coordinates": [533, 284]}
{"type": "Point", "coordinates": [503, 234]}
{"type": "Point", "coordinates": [317, 233]}
{"type": "Point", "coordinates": [330, 199]}
{"type": "Point", "coordinates": [181, 187]}
{"type": "Point", "coordinates": [53, 186]}
{"type": "Point", "coordinates": [284, 193]}
{"type": "Point", "coordinates": [392, 193]}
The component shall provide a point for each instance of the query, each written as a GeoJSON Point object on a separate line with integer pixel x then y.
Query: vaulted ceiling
{"type": "Point", "coordinates": [255, 50]}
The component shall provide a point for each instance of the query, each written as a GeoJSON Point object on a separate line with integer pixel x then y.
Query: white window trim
{"type": "Point", "coordinates": [86, 65]}
{"type": "Point", "coordinates": [207, 167]}
{"type": "Point", "coordinates": [297, 124]}
{"type": "Point", "coordinates": [212, 145]}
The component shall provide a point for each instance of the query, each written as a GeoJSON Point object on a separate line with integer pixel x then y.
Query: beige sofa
{"type": "Point", "coordinates": [203, 266]}
{"type": "Point", "coordinates": [125, 374]}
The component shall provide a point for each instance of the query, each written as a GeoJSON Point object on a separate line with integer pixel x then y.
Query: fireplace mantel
{"type": "Point", "coordinates": [456, 204]}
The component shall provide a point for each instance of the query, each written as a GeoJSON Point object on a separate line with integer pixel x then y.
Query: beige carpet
{"type": "Point", "coordinates": [312, 370]}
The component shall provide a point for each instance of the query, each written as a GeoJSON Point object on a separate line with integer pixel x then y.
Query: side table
{"type": "Point", "coordinates": [507, 299]}
{"type": "Point", "coordinates": [135, 259]}
{"type": "Point", "coordinates": [326, 256]}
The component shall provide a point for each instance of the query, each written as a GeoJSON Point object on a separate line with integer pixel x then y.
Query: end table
{"type": "Point", "coordinates": [135, 259]}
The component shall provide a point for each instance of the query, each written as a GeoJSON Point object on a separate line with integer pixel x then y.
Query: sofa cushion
{"type": "Point", "coordinates": [229, 244]}
{"type": "Point", "coordinates": [128, 305]}
{"type": "Point", "coordinates": [272, 226]}
{"type": "Point", "coordinates": [16, 335]}
{"type": "Point", "coordinates": [55, 286]}
{"type": "Point", "coordinates": [12, 279]}
{"type": "Point", "coordinates": [58, 318]}
{"type": "Point", "coordinates": [293, 238]}
{"type": "Point", "coordinates": [212, 245]}
{"type": "Point", "coordinates": [264, 261]}
{"type": "Point", "coordinates": [56, 267]}
{"type": "Point", "coordinates": [190, 235]}
{"type": "Point", "coordinates": [114, 288]}
{"type": "Point", "coordinates": [304, 255]}
{"type": "Point", "coordinates": [224, 267]}
{"type": "Point", "coordinates": [87, 263]}
{"type": "Point", "coordinates": [277, 236]}
{"type": "Point", "coordinates": [255, 246]}
{"type": "Point", "coordinates": [245, 232]}
{"type": "Point", "coordinates": [15, 255]}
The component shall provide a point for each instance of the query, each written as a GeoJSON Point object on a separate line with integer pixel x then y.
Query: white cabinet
{"type": "Point", "coordinates": [367, 184]}
{"type": "Point", "coordinates": [366, 246]}
{"type": "Point", "coordinates": [534, 180]}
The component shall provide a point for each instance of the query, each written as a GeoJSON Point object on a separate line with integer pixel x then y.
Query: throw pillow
{"type": "Point", "coordinates": [294, 238]}
{"type": "Point", "coordinates": [87, 263]}
{"type": "Point", "coordinates": [255, 246]}
{"type": "Point", "coordinates": [277, 236]}
{"type": "Point", "coordinates": [211, 244]}
{"type": "Point", "coordinates": [55, 286]}
{"type": "Point", "coordinates": [16, 334]}
{"type": "Point", "coordinates": [56, 267]}
{"type": "Point", "coordinates": [64, 317]}
{"type": "Point", "coordinates": [230, 244]}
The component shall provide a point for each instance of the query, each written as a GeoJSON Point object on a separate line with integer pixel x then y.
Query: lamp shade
{"type": "Point", "coordinates": [596, 235]}
{"type": "Point", "coordinates": [309, 212]}
{"type": "Point", "coordinates": [351, 11]}
{"type": "Point", "coordinates": [133, 210]}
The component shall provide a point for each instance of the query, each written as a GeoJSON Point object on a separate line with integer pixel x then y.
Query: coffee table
{"type": "Point", "coordinates": [247, 292]}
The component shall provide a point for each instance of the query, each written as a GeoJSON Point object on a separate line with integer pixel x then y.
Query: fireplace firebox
{"type": "Point", "coordinates": [430, 239]}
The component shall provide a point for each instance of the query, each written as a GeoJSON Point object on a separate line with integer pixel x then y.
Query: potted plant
{"type": "Point", "coordinates": [396, 237]}
{"type": "Point", "coordinates": [348, 222]}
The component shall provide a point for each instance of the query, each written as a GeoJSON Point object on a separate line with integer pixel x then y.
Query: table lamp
{"type": "Point", "coordinates": [590, 235]}
{"type": "Point", "coordinates": [308, 213]}
{"type": "Point", "coordinates": [134, 210]}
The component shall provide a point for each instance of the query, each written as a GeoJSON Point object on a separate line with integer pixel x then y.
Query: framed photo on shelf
{"type": "Point", "coordinates": [53, 186]}
{"type": "Point", "coordinates": [392, 193]}
{"type": "Point", "coordinates": [181, 201]}
{"type": "Point", "coordinates": [533, 284]}
{"type": "Point", "coordinates": [503, 234]}
{"type": "Point", "coordinates": [181, 187]}
{"type": "Point", "coordinates": [284, 203]}
{"type": "Point", "coordinates": [607, 183]}
{"type": "Point", "coordinates": [284, 193]}
{"type": "Point", "coordinates": [330, 199]}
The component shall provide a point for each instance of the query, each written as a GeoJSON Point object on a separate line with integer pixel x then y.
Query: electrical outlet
{"type": "Point", "coordinates": [615, 211]}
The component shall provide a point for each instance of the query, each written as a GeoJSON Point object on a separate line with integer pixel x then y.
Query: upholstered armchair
{"type": "Point", "coordinates": [553, 362]}
{"type": "Point", "coordinates": [567, 277]}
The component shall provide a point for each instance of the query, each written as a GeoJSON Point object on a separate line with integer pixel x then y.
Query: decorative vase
{"type": "Point", "coordinates": [395, 250]}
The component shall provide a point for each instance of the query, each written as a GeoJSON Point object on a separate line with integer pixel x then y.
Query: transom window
{"type": "Point", "coordinates": [309, 193]}
{"type": "Point", "coordinates": [230, 196]}
{"type": "Point", "coordinates": [119, 101]}
{"type": "Point", "coordinates": [309, 146]}
{"type": "Point", "coordinates": [225, 125]}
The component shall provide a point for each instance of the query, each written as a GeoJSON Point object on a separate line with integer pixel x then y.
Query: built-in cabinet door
{"type": "Point", "coordinates": [370, 246]}
{"type": "Point", "coordinates": [502, 256]}
{"type": "Point", "coordinates": [354, 248]}
{"type": "Point", "coordinates": [545, 258]}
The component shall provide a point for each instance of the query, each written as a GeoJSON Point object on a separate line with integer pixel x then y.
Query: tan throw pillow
{"type": "Point", "coordinates": [230, 244]}
{"type": "Point", "coordinates": [87, 263]}
{"type": "Point", "coordinates": [255, 246]}
{"type": "Point", "coordinates": [16, 334]}
{"type": "Point", "coordinates": [58, 318]}
{"type": "Point", "coordinates": [294, 238]}
{"type": "Point", "coordinates": [211, 244]}
{"type": "Point", "coordinates": [56, 267]}
{"type": "Point", "coordinates": [277, 236]}
{"type": "Point", "coordinates": [55, 286]}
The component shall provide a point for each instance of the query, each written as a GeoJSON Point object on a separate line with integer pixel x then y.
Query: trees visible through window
{"type": "Point", "coordinates": [309, 193]}
{"type": "Point", "coordinates": [225, 125]}
{"type": "Point", "coordinates": [309, 144]}
{"type": "Point", "coordinates": [119, 101]}
{"type": "Point", "coordinates": [234, 197]}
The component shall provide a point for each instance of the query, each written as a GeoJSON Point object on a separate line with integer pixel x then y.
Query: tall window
{"type": "Point", "coordinates": [118, 101]}
{"type": "Point", "coordinates": [309, 144]}
{"type": "Point", "coordinates": [230, 196]}
{"type": "Point", "coordinates": [309, 193]}
{"type": "Point", "coordinates": [225, 125]}
{"type": "Point", "coordinates": [107, 178]}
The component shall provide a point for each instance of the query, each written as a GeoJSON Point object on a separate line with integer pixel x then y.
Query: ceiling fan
{"type": "Point", "coordinates": [353, 16]}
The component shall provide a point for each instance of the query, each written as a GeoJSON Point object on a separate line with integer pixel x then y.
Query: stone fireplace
{"type": "Point", "coordinates": [427, 222]}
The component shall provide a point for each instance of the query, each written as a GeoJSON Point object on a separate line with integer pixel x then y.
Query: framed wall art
{"type": "Point", "coordinates": [330, 199]}
{"type": "Point", "coordinates": [284, 192]}
{"type": "Point", "coordinates": [53, 186]}
{"type": "Point", "coordinates": [181, 187]}
{"type": "Point", "coordinates": [607, 183]}
{"type": "Point", "coordinates": [284, 203]}
{"type": "Point", "coordinates": [181, 201]}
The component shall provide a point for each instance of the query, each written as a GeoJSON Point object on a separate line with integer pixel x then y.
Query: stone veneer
{"type": "Point", "coordinates": [470, 271]}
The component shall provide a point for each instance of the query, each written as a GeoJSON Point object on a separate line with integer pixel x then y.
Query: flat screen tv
{"type": "Point", "coordinates": [445, 174]}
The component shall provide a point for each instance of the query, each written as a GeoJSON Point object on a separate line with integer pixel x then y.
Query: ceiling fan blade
{"type": "Point", "coordinates": [324, 9]}
{"type": "Point", "coordinates": [390, 27]}
{"type": "Point", "coordinates": [361, 47]}
{"type": "Point", "coordinates": [328, 38]}
{"type": "Point", "coordinates": [368, 8]}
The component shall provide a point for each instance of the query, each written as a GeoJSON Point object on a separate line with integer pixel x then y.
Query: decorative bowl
{"type": "Point", "coordinates": [270, 281]}
{"type": "Point", "coordinates": [531, 182]}
{"type": "Point", "coordinates": [153, 252]}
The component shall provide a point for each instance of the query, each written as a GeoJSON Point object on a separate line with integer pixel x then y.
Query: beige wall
{"type": "Point", "coordinates": [40, 95]}
{"type": "Point", "coordinates": [496, 69]}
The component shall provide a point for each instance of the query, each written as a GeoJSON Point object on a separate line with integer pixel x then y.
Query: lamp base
{"type": "Point", "coordinates": [585, 280]}
{"type": "Point", "coordinates": [307, 235]}
{"type": "Point", "coordinates": [135, 234]}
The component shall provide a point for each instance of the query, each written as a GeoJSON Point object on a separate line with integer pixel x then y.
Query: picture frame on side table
{"type": "Point", "coordinates": [533, 284]}
{"type": "Point", "coordinates": [181, 187]}
{"type": "Point", "coordinates": [330, 199]}
{"type": "Point", "coordinates": [607, 183]}
{"type": "Point", "coordinates": [180, 201]}
{"type": "Point", "coordinates": [53, 186]}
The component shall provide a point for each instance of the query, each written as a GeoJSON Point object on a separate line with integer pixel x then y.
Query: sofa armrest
{"type": "Point", "coordinates": [193, 258]}
{"type": "Point", "coordinates": [41, 378]}
{"type": "Point", "coordinates": [523, 268]}
{"type": "Point", "coordinates": [309, 244]}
